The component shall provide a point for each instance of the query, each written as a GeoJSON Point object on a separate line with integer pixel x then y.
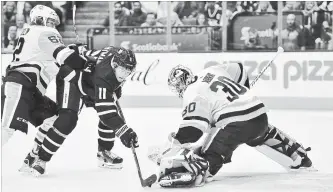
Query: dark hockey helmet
{"type": "Point", "coordinates": [179, 78]}
{"type": "Point", "coordinates": [124, 58]}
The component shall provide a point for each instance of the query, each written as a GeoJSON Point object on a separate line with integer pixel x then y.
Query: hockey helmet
{"type": "Point", "coordinates": [179, 78]}
{"type": "Point", "coordinates": [42, 15]}
{"type": "Point", "coordinates": [125, 59]}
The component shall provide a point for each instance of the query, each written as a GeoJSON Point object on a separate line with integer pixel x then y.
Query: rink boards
{"type": "Point", "coordinates": [299, 80]}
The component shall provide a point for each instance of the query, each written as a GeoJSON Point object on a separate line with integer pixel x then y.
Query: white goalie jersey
{"type": "Point", "coordinates": [214, 100]}
{"type": "Point", "coordinates": [34, 54]}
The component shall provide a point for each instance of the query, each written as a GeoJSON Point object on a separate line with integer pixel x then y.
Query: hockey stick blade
{"type": "Point", "coordinates": [144, 182]}
{"type": "Point", "coordinates": [149, 181]}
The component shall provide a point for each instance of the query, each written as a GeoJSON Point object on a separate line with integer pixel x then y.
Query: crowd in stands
{"type": "Point", "coordinates": [16, 16]}
{"type": "Point", "coordinates": [314, 33]}
{"type": "Point", "coordinates": [150, 17]}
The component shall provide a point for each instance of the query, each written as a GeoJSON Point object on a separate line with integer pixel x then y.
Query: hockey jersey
{"type": "Point", "coordinates": [214, 100]}
{"type": "Point", "coordinates": [39, 54]}
{"type": "Point", "coordinates": [101, 86]}
{"type": "Point", "coordinates": [34, 54]}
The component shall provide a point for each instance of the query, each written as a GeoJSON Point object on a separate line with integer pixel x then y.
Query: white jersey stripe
{"type": "Point", "coordinates": [63, 54]}
{"type": "Point", "coordinates": [106, 112]}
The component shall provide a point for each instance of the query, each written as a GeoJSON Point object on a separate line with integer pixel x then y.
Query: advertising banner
{"type": "Point", "coordinates": [154, 42]}
{"type": "Point", "coordinates": [258, 29]}
{"type": "Point", "coordinates": [291, 74]}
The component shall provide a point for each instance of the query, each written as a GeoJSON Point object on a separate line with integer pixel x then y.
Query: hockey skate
{"type": "Point", "coordinates": [27, 163]}
{"type": "Point", "coordinates": [107, 159]}
{"type": "Point", "coordinates": [306, 163]}
{"type": "Point", "coordinates": [38, 167]}
{"type": "Point", "coordinates": [29, 160]}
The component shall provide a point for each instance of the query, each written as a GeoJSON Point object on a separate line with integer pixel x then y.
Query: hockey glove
{"type": "Point", "coordinates": [90, 64]}
{"type": "Point", "coordinates": [199, 167]}
{"type": "Point", "coordinates": [127, 136]}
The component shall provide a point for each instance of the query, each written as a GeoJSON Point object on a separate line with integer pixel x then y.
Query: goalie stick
{"type": "Point", "coordinates": [280, 50]}
{"type": "Point", "coordinates": [144, 182]}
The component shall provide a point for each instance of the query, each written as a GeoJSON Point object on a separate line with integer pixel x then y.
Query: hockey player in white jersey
{"type": "Point", "coordinates": [36, 60]}
{"type": "Point", "coordinates": [219, 115]}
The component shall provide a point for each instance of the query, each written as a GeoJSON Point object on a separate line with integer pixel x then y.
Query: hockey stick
{"type": "Point", "coordinates": [280, 50]}
{"type": "Point", "coordinates": [74, 25]}
{"type": "Point", "coordinates": [144, 182]}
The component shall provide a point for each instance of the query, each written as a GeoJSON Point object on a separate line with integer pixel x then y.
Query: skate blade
{"type": "Point", "coordinates": [304, 170]}
{"type": "Point", "coordinates": [35, 173]}
{"type": "Point", "coordinates": [110, 166]}
{"type": "Point", "coordinates": [25, 169]}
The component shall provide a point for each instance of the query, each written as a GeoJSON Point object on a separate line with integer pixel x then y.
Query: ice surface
{"type": "Point", "coordinates": [74, 167]}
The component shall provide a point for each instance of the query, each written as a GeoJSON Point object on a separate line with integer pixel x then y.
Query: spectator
{"type": "Point", "coordinates": [10, 12]}
{"type": "Point", "coordinates": [126, 5]}
{"type": "Point", "coordinates": [264, 6]}
{"type": "Point", "coordinates": [289, 6]}
{"type": "Point", "coordinates": [26, 12]}
{"type": "Point", "coordinates": [308, 13]}
{"type": "Point", "coordinates": [151, 22]}
{"type": "Point", "coordinates": [292, 36]}
{"type": "Point", "coordinates": [10, 41]}
{"type": "Point", "coordinates": [121, 19]}
{"type": "Point", "coordinates": [20, 24]}
{"type": "Point", "coordinates": [200, 21]}
{"type": "Point", "coordinates": [9, 15]}
{"type": "Point", "coordinates": [213, 13]}
{"type": "Point", "coordinates": [138, 16]}
{"type": "Point", "coordinates": [187, 9]}
{"type": "Point", "coordinates": [326, 37]}
{"type": "Point", "coordinates": [249, 6]}
{"type": "Point", "coordinates": [274, 5]}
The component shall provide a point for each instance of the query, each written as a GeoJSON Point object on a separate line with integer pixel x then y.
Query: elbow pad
{"type": "Point", "coordinates": [66, 56]}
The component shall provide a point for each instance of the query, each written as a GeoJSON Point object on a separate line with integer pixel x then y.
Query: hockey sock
{"type": "Point", "coordinates": [51, 144]}
{"type": "Point", "coordinates": [106, 137]}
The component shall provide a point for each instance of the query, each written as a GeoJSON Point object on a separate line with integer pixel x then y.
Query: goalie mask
{"type": "Point", "coordinates": [45, 16]}
{"type": "Point", "coordinates": [123, 63]}
{"type": "Point", "coordinates": [179, 78]}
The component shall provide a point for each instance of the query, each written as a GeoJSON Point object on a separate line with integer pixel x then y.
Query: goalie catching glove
{"type": "Point", "coordinates": [180, 167]}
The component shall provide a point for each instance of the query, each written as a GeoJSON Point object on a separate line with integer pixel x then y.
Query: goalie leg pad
{"type": "Point", "coordinates": [282, 149]}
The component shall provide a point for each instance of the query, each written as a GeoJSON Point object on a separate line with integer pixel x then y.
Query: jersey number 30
{"type": "Point", "coordinates": [232, 89]}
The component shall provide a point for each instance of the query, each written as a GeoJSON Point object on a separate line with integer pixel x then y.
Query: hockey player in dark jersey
{"type": "Point", "coordinates": [98, 83]}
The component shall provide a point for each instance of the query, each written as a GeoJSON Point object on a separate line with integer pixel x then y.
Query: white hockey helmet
{"type": "Point", "coordinates": [42, 15]}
